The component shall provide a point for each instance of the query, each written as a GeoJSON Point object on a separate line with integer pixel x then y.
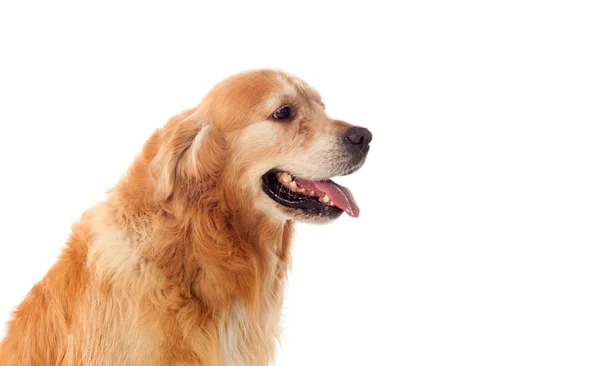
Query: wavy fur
{"type": "Point", "coordinates": [183, 264]}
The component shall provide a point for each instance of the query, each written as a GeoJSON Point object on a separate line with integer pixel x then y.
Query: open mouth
{"type": "Point", "coordinates": [314, 197]}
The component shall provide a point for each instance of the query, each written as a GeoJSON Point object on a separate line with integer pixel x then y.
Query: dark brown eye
{"type": "Point", "coordinates": [283, 114]}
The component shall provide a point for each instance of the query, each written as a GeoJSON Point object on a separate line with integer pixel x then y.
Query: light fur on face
{"type": "Point", "coordinates": [184, 263]}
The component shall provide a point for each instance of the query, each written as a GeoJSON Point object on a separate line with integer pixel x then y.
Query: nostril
{"type": "Point", "coordinates": [354, 139]}
{"type": "Point", "coordinates": [358, 136]}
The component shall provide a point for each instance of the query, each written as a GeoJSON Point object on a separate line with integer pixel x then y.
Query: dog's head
{"type": "Point", "coordinates": [266, 134]}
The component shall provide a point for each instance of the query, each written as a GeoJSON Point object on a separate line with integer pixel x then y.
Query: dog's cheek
{"type": "Point", "coordinates": [261, 135]}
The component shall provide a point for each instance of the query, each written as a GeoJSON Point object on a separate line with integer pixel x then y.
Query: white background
{"type": "Point", "coordinates": [478, 242]}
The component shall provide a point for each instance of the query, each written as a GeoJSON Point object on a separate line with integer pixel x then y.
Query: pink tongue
{"type": "Point", "coordinates": [339, 195]}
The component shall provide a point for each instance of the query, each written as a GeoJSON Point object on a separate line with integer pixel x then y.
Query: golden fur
{"type": "Point", "coordinates": [185, 261]}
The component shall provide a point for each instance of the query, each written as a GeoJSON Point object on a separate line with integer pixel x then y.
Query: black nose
{"type": "Point", "coordinates": [358, 136]}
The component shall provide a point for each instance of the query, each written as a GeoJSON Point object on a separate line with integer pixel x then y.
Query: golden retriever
{"type": "Point", "coordinates": [185, 261]}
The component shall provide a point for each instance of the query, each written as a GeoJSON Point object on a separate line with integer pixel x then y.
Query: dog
{"type": "Point", "coordinates": [185, 261]}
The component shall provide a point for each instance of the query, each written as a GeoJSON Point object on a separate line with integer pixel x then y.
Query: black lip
{"type": "Point", "coordinates": [307, 204]}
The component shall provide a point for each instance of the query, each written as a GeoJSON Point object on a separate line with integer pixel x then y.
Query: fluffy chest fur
{"type": "Point", "coordinates": [247, 341]}
{"type": "Point", "coordinates": [191, 309]}
{"type": "Point", "coordinates": [248, 337]}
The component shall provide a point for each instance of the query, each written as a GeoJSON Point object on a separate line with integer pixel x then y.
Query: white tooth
{"type": "Point", "coordinates": [312, 193]}
{"type": "Point", "coordinates": [301, 190]}
{"type": "Point", "coordinates": [293, 186]}
{"type": "Point", "coordinates": [331, 203]}
{"type": "Point", "coordinates": [325, 199]}
{"type": "Point", "coordinates": [286, 177]}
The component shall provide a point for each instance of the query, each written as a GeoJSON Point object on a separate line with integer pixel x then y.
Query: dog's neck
{"type": "Point", "coordinates": [212, 246]}
{"type": "Point", "coordinates": [207, 258]}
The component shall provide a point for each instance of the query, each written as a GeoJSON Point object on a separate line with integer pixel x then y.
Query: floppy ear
{"type": "Point", "coordinates": [173, 141]}
{"type": "Point", "coordinates": [189, 151]}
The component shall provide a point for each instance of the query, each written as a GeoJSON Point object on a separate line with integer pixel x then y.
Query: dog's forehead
{"type": "Point", "coordinates": [296, 85]}
{"type": "Point", "coordinates": [272, 86]}
{"type": "Point", "coordinates": [238, 101]}
{"type": "Point", "coordinates": [290, 90]}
